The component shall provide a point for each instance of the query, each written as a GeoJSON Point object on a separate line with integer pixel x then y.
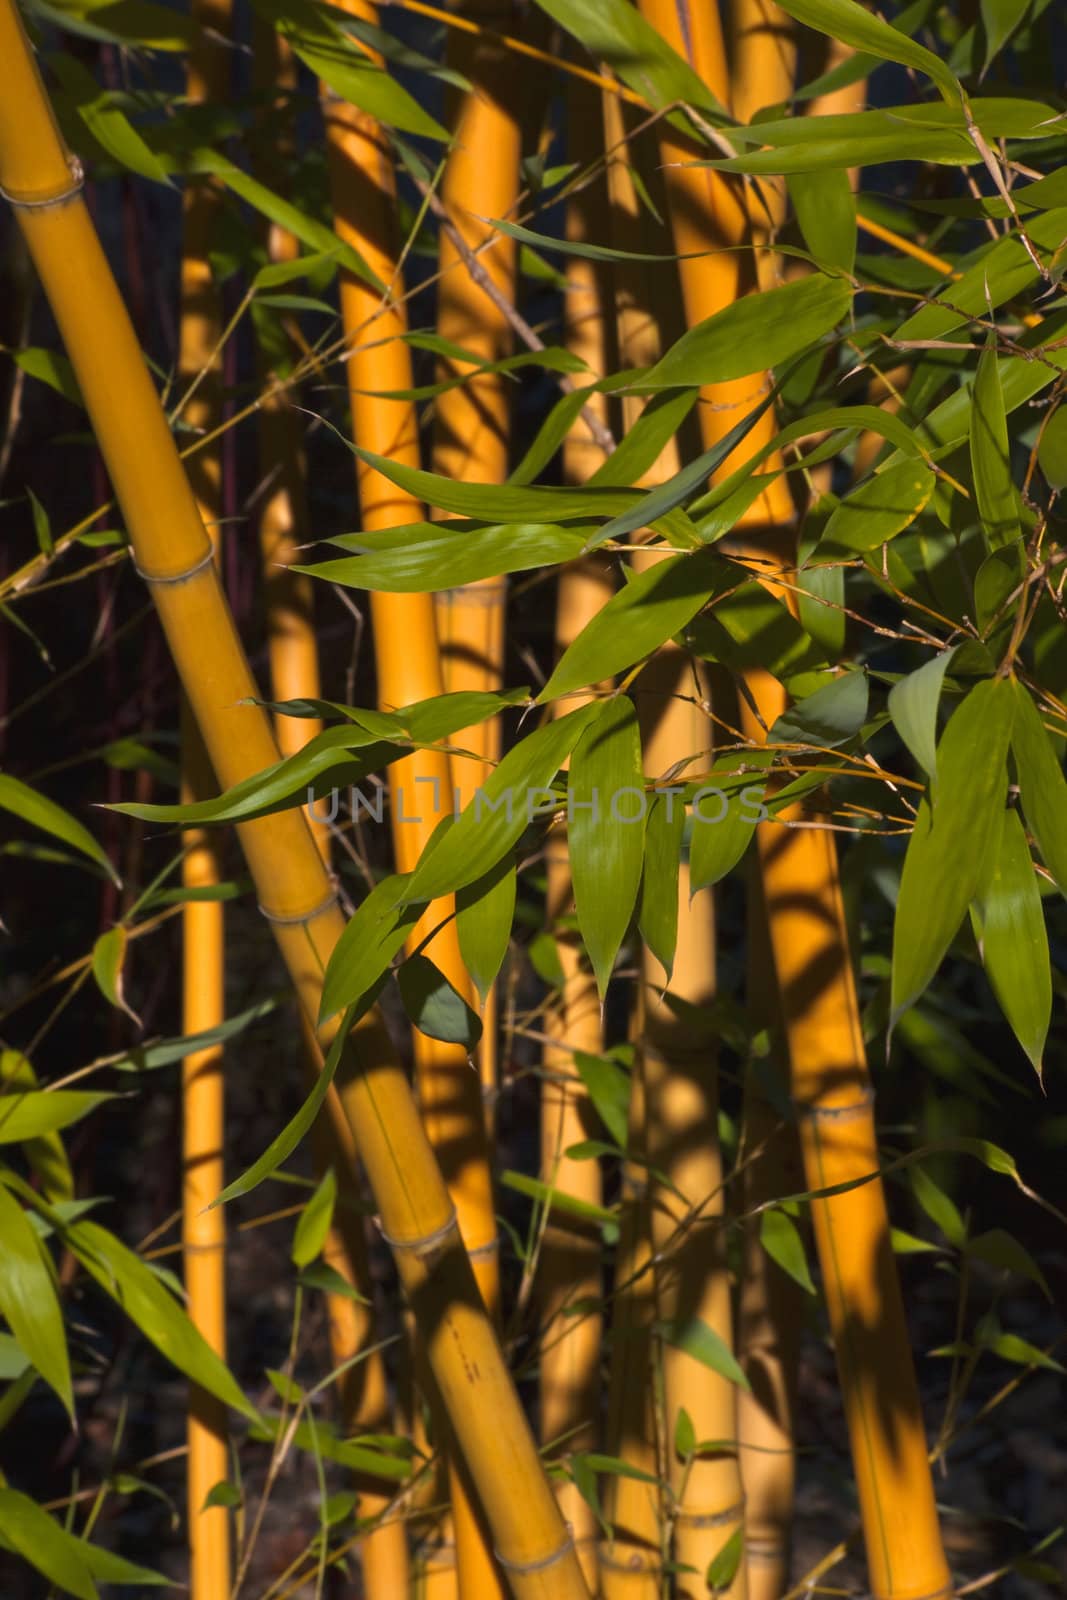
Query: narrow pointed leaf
{"type": "Point", "coordinates": [492, 824]}
{"type": "Point", "coordinates": [991, 455]}
{"type": "Point", "coordinates": [606, 809]}
{"type": "Point", "coordinates": [1042, 788]}
{"type": "Point", "coordinates": [947, 849]}
{"type": "Point", "coordinates": [154, 1310]}
{"type": "Point", "coordinates": [754, 333]}
{"type": "Point", "coordinates": [657, 913]}
{"type": "Point", "coordinates": [434, 1006]}
{"type": "Point", "coordinates": [1014, 943]}
{"type": "Point", "coordinates": [913, 704]}
{"type": "Point", "coordinates": [485, 910]}
{"type": "Point", "coordinates": [654, 606]}
{"type": "Point", "coordinates": [28, 1299]}
{"type": "Point", "coordinates": [40, 812]}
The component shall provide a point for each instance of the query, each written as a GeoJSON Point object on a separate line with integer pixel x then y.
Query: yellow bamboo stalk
{"type": "Point", "coordinates": [679, 1065]}
{"type": "Point", "coordinates": [471, 421]}
{"type": "Point", "coordinates": [203, 921]}
{"type": "Point", "coordinates": [362, 184]}
{"type": "Point", "coordinates": [832, 1091]}
{"type": "Point", "coordinates": [828, 1069]}
{"type": "Point", "coordinates": [570, 1265]}
{"type": "Point", "coordinates": [770, 1303]}
{"type": "Point", "coordinates": [173, 552]}
{"type": "Point", "coordinates": [631, 1560]}
{"type": "Point", "coordinates": [293, 658]}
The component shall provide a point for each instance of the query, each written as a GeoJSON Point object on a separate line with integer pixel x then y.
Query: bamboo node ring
{"type": "Point", "coordinates": [423, 1245]}
{"type": "Point", "coordinates": [854, 1108]}
{"type": "Point", "coordinates": [291, 920]}
{"type": "Point", "coordinates": [43, 202]}
{"type": "Point", "coordinates": [490, 1248]}
{"type": "Point", "coordinates": [716, 1519]}
{"type": "Point", "coordinates": [175, 577]}
{"type": "Point", "coordinates": [565, 1549]}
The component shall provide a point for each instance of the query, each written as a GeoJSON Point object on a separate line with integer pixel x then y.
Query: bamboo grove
{"type": "Point", "coordinates": [639, 1124]}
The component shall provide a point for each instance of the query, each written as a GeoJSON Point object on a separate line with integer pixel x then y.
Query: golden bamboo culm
{"type": "Point", "coordinates": [203, 920]}
{"type": "Point", "coordinates": [292, 651]}
{"type": "Point", "coordinates": [362, 184]}
{"type": "Point", "coordinates": [471, 425]}
{"type": "Point", "coordinates": [828, 1072]}
{"type": "Point", "coordinates": [173, 554]}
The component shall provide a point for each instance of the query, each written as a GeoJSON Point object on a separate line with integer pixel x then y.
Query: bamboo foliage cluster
{"type": "Point", "coordinates": [699, 492]}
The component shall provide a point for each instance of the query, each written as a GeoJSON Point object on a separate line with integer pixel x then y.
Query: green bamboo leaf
{"type": "Point", "coordinates": [724, 821]}
{"type": "Point", "coordinates": [644, 442]}
{"type": "Point", "coordinates": [485, 910]}
{"type": "Point", "coordinates": [1042, 788]}
{"type": "Point", "coordinates": [492, 824]}
{"type": "Point", "coordinates": [371, 938]}
{"type": "Point", "coordinates": [507, 503]}
{"type": "Point", "coordinates": [31, 1533]}
{"type": "Point", "coordinates": [780, 1237]}
{"type": "Point", "coordinates": [913, 704]}
{"type": "Point", "coordinates": [51, 367]}
{"type": "Point", "coordinates": [314, 1222]}
{"type": "Point", "coordinates": [328, 51]}
{"type": "Point", "coordinates": [109, 126]}
{"type": "Point", "coordinates": [703, 1344]}
{"type": "Point", "coordinates": [938, 1206]}
{"type": "Point", "coordinates": [1000, 18]}
{"type": "Point", "coordinates": [606, 808]}
{"type": "Point", "coordinates": [662, 500]}
{"type": "Point", "coordinates": [1052, 449]}
{"type": "Point", "coordinates": [797, 145]}
{"type": "Point", "coordinates": [998, 1248]}
{"type": "Point", "coordinates": [316, 235]}
{"type": "Point", "coordinates": [20, 1112]}
{"type": "Point", "coordinates": [574, 247]}
{"type": "Point", "coordinates": [560, 1200]}
{"type": "Point", "coordinates": [154, 1310]}
{"type": "Point", "coordinates": [1010, 927]}
{"type": "Point", "coordinates": [723, 1568]}
{"type": "Point", "coordinates": [877, 510]}
{"type": "Point", "coordinates": [991, 455]}
{"type": "Point", "coordinates": [445, 555]}
{"type": "Point", "coordinates": [825, 207]}
{"type": "Point", "coordinates": [828, 718]}
{"type": "Point", "coordinates": [685, 1435]}
{"type": "Point", "coordinates": [654, 606]}
{"type": "Point", "coordinates": [1010, 1347]}
{"type": "Point", "coordinates": [947, 849]}
{"type": "Point", "coordinates": [332, 755]}
{"type": "Point", "coordinates": [849, 23]}
{"type": "Point", "coordinates": [28, 1299]}
{"type": "Point", "coordinates": [609, 1088]}
{"type": "Point", "coordinates": [40, 812]}
{"type": "Point", "coordinates": [657, 910]}
{"type": "Point", "coordinates": [615, 31]}
{"type": "Point", "coordinates": [753, 334]}
{"type": "Point", "coordinates": [282, 1147]}
{"type": "Point", "coordinates": [751, 629]}
{"type": "Point", "coordinates": [1000, 272]}
{"type": "Point", "coordinates": [434, 1006]}
{"type": "Point", "coordinates": [125, 22]}
{"type": "Point", "coordinates": [36, 1113]}
{"type": "Point", "coordinates": [109, 956]}
{"type": "Point", "coordinates": [164, 1052]}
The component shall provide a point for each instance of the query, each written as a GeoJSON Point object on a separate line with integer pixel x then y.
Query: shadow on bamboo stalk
{"type": "Point", "coordinates": [363, 189]}
{"type": "Point", "coordinates": [570, 1267]}
{"type": "Point", "coordinates": [292, 651]}
{"type": "Point", "coordinates": [203, 921]}
{"type": "Point", "coordinates": [174, 555]}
